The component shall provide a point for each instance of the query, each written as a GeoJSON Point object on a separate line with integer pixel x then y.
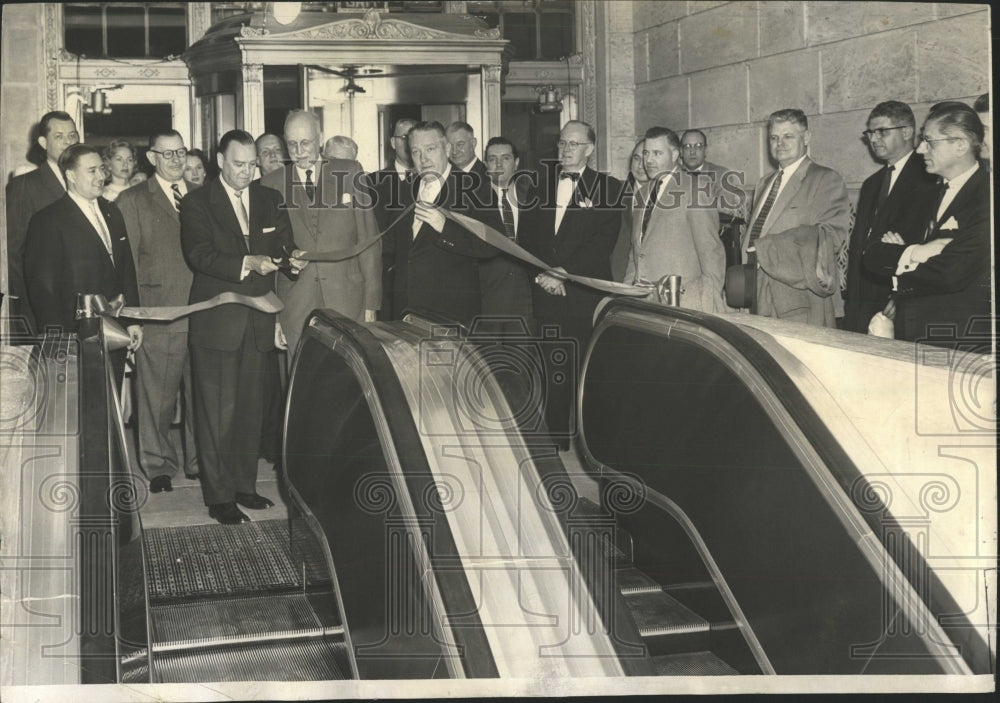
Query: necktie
{"type": "Point", "coordinates": [102, 228]}
{"type": "Point", "coordinates": [241, 215]}
{"type": "Point", "coordinates": [934, 213]}
{"type": "Point", "coordinates": [654, 193]}
{"type": "Point", "coordinates": [883, 193]}
{"type": "Point", "coordinates": [570, 175]}
{"type": "Point", "coordinates": [177, 196]}
{"type": "Point", "coordinates": [310, 186]}
{"type": "Point", "coordinates": [507, 213]}
{"type": "Point", "coordinates": [758, 224]}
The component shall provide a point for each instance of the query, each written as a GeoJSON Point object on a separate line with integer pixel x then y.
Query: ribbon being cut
{"type": "Point", "coordinates": [497, 240]}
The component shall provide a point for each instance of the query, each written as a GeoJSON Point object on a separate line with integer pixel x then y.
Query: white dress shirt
{"type": "Point", "coordinates": [402, 170]}
{"type": "Point", "coordinates": [168, 187]}
{"type": "Point", "coordinates": [564, 194]}
{"type": "Point", "coordinates": [786, 176]}
{"type": "Point", "coordinates": [430, 189]}
{"type": "Point", "coordinates": [95, 219]}
{"type": "Point", "coordinates": [898, 166]}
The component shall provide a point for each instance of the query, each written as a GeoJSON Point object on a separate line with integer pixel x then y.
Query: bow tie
{"type": "Point", "coordinates": [570, 175]}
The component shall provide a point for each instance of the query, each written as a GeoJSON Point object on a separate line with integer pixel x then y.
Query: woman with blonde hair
{"type": "Point", "coordinates": [119, 160]}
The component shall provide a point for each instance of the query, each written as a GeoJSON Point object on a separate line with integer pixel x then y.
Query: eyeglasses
{"type": "Point", "coordinates": [171, 153]}
{"type": "Point", "coordinates": [880, 132]}
{"type": "Point", "coordinates": [931, 142]}
{"type": "Point", "coordinates": [693, 147]}
{"type": "Point", "coordinates": [562, 144]}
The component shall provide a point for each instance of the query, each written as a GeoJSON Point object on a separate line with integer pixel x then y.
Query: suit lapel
{"type": "Point", "coordinates": [964, 193]}
{"type": "Point", "coordinates": [162, 199]}
{"type": "Point", "coordinates": [83, 223]}
{"type": "Point", "coordinates": [225, 213]}
{"type": "Point", "coordinates": [52, 184]}
{"type": "Point", "coordinates": [789, 191]}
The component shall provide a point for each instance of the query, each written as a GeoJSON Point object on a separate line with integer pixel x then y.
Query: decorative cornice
{"type": "Point", "coordinates": [52, 48]}
{"type": "Point", "coordinates": [371, 26]}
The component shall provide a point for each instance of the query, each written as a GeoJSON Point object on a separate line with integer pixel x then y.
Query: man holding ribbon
{"type": "Point", "coordinates": [152, 219]}
{"type": "Point", "coordinates": [233, 233]}
{"type": "Point", "coordinates": [78, 245]}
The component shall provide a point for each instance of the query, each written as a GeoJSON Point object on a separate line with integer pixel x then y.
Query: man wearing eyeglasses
{"type": "Point", "coordinates": [714, 188]}
{"type": "Point", "coordinates": [798, 225]}
{"type": "Point", "coordinates": [942, 284]}
{"type": "Point", "coordinates": [890, 199]}
{"type": "Point", "coordinates": [152, 220]}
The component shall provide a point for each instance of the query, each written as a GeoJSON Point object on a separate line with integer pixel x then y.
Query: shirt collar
{"type": "Point", "coordinates": [230, 191]}
{"type": "Point", "coordinates": [899, 163]}
{"type": "Point", "coordinates": [442, 179]}
{"type": "Point", "coordinates": [301, 172]}
{"type": "Point", "coordinates": [401, 170]}
{"type": "Point", "coordinates": [167, 185]}
{"type": "Point", "coordinates": [792, 167]}
{"type": "Point", "coordinates": [83, 203]}
{"type": "Point", "coordinates": [958, 181]}
{"type": "Point", "coordinates": [468, 167]}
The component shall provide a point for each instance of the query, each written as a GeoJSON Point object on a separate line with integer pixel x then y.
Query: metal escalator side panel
{"type": "Point", "coordinates": [39, 496]}
{"type": "Point", "coordinates": [789, 475]}
{"type": "Point", "coordinates": [535, 606]}
{"type": "Point", "coordinates": [359, 470]}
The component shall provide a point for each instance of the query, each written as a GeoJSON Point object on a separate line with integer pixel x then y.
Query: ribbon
{"type": "Point", "coordinates": [116, 308]}
{"type": "Point", "coordinates": [352, 251]}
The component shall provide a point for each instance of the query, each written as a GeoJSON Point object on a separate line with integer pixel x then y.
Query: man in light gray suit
{"type": "Point", "coordinates": [672, 235]}
{"type": "Point", "coordinates": [799, 222]}
{"type": "Point", "coordinates": [153, 225]}
{"type": "Point", "coordinates": [321, 199]}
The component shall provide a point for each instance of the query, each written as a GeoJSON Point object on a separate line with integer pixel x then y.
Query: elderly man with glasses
{"type": "Point", "coordinates": [890, 199]}
{"type": "Point", "coordinates": [942, 282]}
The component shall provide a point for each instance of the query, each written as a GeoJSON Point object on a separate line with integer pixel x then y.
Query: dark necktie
{"type": "Point", "coordinates": [654, 193]}
{"type": "Point", "coordinates": [883, 193]}
{"type": "Point", "coordinates": [310, 186]}
{"type": "Point", "coordinates": [177, 196]}
{"type": "Point", "coordinates": [758, 224]}
{"type": "Point", "coordinates": [508, 215]}
{"type": "Point", "coordinates": [570, 175]}
{"type": "Point", "coordinates": [932, 225]}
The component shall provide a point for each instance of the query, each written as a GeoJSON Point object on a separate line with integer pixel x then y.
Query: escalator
{"type": "Point", "coordinates": [719, 524]}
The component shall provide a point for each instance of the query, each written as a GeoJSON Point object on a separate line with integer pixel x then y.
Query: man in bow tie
{"type": "Point", "coordinates": [574, 228]}
{"type": "Point", "coordinates": [435, 266]}
{"type": "Point", "coordinates": [152, 218]}
{"type": "Point", "coordinates": [78, 245]}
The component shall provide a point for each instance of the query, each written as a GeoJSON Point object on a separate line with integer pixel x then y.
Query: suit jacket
{"type": "Point", "coordinates": [439, 272]}
{"type": "Point", "coordinates": [389, 195]}
{"type": "Point", "coordinates": [583, 245]}
{"type": "Point", "coordinates": [814, 197]}
{"type": "Point", "coordinates": [26, 195]}
{"type": "Point", "coordinates": [154, 233]}
{"type": "Point", "coordinates": [953, 287]}
{"type": "Point", "coordinates": [214, 248]}
{"type": "Point", "coordinates": [681, 239]}
{"type": "Point", "coordinates": [505, 281]}
{"type": "Point", "coordinates": [336, 221]}
{"type": "Point", "coordinates": [65, 255]}
{"type": "Point", "coordinates": [868, 291]}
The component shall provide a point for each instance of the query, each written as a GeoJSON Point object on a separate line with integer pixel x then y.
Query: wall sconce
{"type": "Point", "coordinates": [94, 98]}
{"type": "Point", "coordinates": [549, 99]}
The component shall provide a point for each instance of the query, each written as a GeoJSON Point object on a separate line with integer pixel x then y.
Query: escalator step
{"type": "Point", "coordinates": [692, 664]}
{"type": "Point", "coordinates": [304, 660]}
{"type": "Point", "coordinates": [234, 619]}
{"type": "Point", "coordinates": [633, 580]}
{"type": "Point", "coordinates": [659, 614]}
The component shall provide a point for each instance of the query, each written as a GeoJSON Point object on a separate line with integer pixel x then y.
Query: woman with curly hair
{"type": "Point", "coordinates": [119, 160]}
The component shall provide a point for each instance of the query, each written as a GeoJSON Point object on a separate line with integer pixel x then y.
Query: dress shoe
{"type": "Point", "coordinates": [159, 484]}
{"type": "Point", "coordinates": [254, 501]}
{"type": "Point", "coordinates": [227, 514]}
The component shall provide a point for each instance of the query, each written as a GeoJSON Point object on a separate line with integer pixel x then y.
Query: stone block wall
{"type": "Point", "coordinates": [724, 67]}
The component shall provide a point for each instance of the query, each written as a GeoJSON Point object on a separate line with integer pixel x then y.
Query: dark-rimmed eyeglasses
{"type": "Point", "coordinates": [171, 153]}
{"type": "Point", "coordinates": [880, 132]}
{"type": "Point", "coordinates": [693, 147]}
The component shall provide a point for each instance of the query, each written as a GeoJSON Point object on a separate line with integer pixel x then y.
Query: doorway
{"type": "Point", "coordinates": [131, 122]}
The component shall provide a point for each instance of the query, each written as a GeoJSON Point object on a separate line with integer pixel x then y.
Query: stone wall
{"type": "Point", "coordinates": [723, 67]}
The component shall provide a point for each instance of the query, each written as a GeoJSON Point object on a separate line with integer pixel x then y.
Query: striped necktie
{"type": "Point", "coordinates": [772, 195]}
{"type": "Point", "coordinates": [177, 196]}
{"type": "Point", "coordinates": [507, 213]}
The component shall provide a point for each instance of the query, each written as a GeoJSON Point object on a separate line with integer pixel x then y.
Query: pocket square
{"type": "Point", "coordinates": [269, 229]}
{"type": "Point", "coordinates": [949, 224]}
{"type": "Point", "coordinates": [345, 199]}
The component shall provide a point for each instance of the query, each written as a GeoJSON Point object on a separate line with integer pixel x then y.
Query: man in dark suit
{"type": "Point", "coordinates": [505, 281]}
{"type": "Point", "coordinates": [890, 199]}
{"type": "Point", "coordinates": [391, 191]}
{"type": "Point", "coordinates": [319, 196]}
{"type": "Point", "coordinates": [29, 193]}
{"type": "Point", "coordinates": [435, 259]}
{"type": "Point", "coordinates": [942, 284]}
{"type": "Point", "coordinates": [463, 142]}
{"type": "Point", "coordinates": [163, 366]}
{"type": "Point", "coordinates": [231, 232]}
{"type": "Point", "coordinates": [78, 245]}
{"type": "Point", "coordinates": [574, 227]}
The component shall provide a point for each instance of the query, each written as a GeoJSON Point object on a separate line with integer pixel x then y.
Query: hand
{"type": "Point", "coordinates": [923, 252]}
{"type": "Point", "coordinates": [135, 335]}
{"type": "Point", "coordinates": [370, 315]}
{"type": "Point", "coordinates": [890, 309]}
{"type": "Point", "coordinates": [296, 260]}
{"type": "Point", "coordinates": [261, 264]}
{"type": "Point", "coordinates": [279, 337]}
{"type": "Point", "coordinates": [551, 284]}
{"type": "Point", "coordinates": [892, 238]}
{"type": "Point", "coordinates": [431, 215]}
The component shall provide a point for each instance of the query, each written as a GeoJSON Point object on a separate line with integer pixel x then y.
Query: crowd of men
{"type": "Point", "coordinates": [918, 254]}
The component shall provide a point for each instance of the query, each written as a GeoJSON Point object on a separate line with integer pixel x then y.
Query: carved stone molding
{"type": "Point", "coordinates": [253, 73]}
{"type": "Point", "coordinates": [373, 26]}
{"type": "Point", "coordinates": [52, 49]}
{"type": "Point", "coordinates": [491, 74]}
{"type": "Point", "coordinates": [588, 45]}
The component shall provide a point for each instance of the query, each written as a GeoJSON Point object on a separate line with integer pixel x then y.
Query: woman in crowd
{"type": "Point", "coordinates": [196, 166]}
{"type": "Point", "coordinates": [119, 160]}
